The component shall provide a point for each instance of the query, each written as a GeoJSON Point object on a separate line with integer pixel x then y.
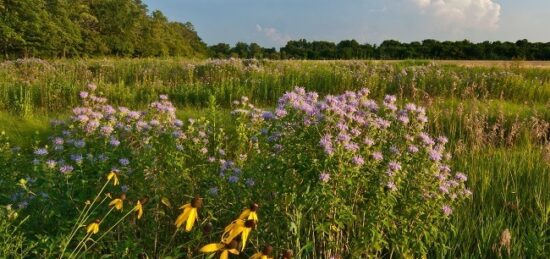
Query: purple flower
{"type": "Point", "coordinates": [124, 161]}
{"type": "Point", "coordinates": [92, 86]}
{"type": "Point", "coordinates": [447, 210]}
{"type": "Point", "coordinates": [391, 186]}
{"type": "Point", "coordinates": [77, 158]}
{"type": "Point", "coordinates": [413, 149]}
{"type": "Point", "coordinates": [58, 141]}
{"type": "Point", "coordinates": [163, 97]}
{"type": "Point", "coordinates": [326, 143]}
{"type": "Point", "coordinates": [324, 177]}
{"type": "Point", "coordinates": [233, 179]}
{"type": "Point", "coordinates": [394, 166]}
{"type": "Point", "coordinates": [79, 143]}
{"type": "Point", "coordinates": [66, 169]}
{"type": "Point", "coordinates": [83, 94]}
{"type": "Point", "coordinates": [358, 160]}
{"type": "Point", "coordinates": [106, 130]}
{"type": "Point", "coordinates": [435, 155]}
{"type": "Point", "coordinates": [377, 156]}
{"type": "Point", "coordinates": [41, 152]}
{"type": "Point", "coordinates": [114, 142]}
{"type": "Point", "coordinates": [461, 177]}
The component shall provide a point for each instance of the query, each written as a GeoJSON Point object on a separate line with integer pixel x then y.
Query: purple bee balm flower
{"type": "Point", "coordinates": [66, 169]}
{"type": "Point", "coordinates": [358, 160]}
{"type": "Point", "coordinates": [368, 142]}
{"type": "Point", "coordinates": [83, 94]}
{"type": "Point", "coordinates": [443, 188]}
{"type": "Point", "coordinates": [163, 97]}
{"type": "Point", "coordinates": [106, 130]}
{"type": "Point", "coordinates": [154, 123]}
{"type": "Point", "coordinates": [41, 152]}
{"type": "Point", "coordinates": [233, 179]}
{"type": "Point", "coordinates": [461, 177]}
{"type": "Point", "coordinates": [58, 141]}
{"type": "Point", "coordinates": [377, 156]}
{"type": "Point", "coordinates": [114, 142]}
{"type": "Point", "coordinates": [79, 143]}
{"type": "Point", "coordinates": [442, 140]}
{"type": "Point", "coordinates": [435, 155]}
{"type": "Point", "coordinates": [447, 210]}
{"type": "Point", "coordinates": [77, 158]}
{"type": "Point", "coordinates": [124, 161]}
{"type": "Point", "coordinates": [268, 115]}
{"type": "Point", "coordinates": [324, 177]}
{"type": "Point", "coordinates": [394, 166]}
{"type": "Point", "coordinates": [92, 86]}
{"type": "Point", "coordinates": [391, 186]}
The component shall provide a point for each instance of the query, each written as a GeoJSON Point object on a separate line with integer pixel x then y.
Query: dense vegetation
{"type": "Point", "coordinates": [390, 49]}
{"type": "Point", "coordinates": [83, 28]}
{"type": "Point", "coordinates": [497, 122]}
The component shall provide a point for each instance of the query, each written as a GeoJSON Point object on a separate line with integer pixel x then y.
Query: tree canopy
{"type": "Point", "coordinates": [72, 28]}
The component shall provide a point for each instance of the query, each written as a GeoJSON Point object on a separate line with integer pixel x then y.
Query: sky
{"type": "Point", "coordinates": [271, 23]}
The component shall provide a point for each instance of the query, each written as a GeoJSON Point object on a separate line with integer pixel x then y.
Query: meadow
{"type": "Point", "coordinates": [316, 199]}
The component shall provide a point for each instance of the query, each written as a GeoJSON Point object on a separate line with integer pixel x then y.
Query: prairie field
{"type": "Point", "coordinates": [436, 159]}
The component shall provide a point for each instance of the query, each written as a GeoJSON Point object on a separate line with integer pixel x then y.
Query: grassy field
{"type": "Point", "coordinates": [496, 116]}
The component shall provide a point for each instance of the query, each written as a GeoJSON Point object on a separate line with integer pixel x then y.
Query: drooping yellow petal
{"type": "Point", "coordinates": [139, 209]}
{"type": "Point", "coordinates": [244, 237]}
{"type": "Point", "coordinates": [183, 216]}
{"type": "Point", "coordinates": [224, 255]}
{"type": "Point", "coordinates": [233, 251]}
{"type": "Point", "coordinates": [233, 234]}
{"type": "Point", "coordinates": [185, 206]}
{"type": "Point", "coordinates": [191, 220]}
{"type": "Point", "coordinates": [117, 203]}
{"type": "Point", "coordinates": [244, 215]}
{"type": "Point", "coordinates": [93, 228]}
{"type": "Point", "coordinates": [112, 176]}
{"type": "Point", "coordinates": [254, 216]}
{"type": "Point", "coordinates": [210, 248]}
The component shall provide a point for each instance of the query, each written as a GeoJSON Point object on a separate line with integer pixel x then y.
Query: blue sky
{"type": "Point", "coordinates": [273, 22]}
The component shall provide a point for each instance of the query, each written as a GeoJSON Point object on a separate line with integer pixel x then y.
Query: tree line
{"type": "Point", "coordinates": [389, 49]}
{"type": "Point", "coordinates": [81, 28]}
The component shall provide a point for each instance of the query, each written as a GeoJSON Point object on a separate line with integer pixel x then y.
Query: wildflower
{"type": "Point", "coordinates": [250, 213]}
{"type": "Point", "coordinates": [264, 254]}
{"type": "Point", "coordinates": [93, 227]}
{"type": "Point", "coordinates": [138, 209]}
{"type": "Point", "coordinates": [324, 177]}
{"type": "Point", "coordinates": [225, 249]}
{"type": "Point", "coordinates": [66, 169]}
{"type": "Point", "coordinates": [447, 210]}
{"type": "Point", "coordinates": [113, 176]}
{"type": "Point", "coordinates": [118, 202]}
{"type": "Point", "coordinates": [83, 94]}
{"type": "Point", "coordinates": [461, 177]}
{"type": "Point", "coordinates": [41, 152]}
{"type": "Point", "coordinates": [377, 156]}
{"type": "Point", "coordinates": [358, 160]}
{"type": "Point", "coordinates": [237, 228]}
{"type": "Point", "coordinates": [124, 161]}
{"type": "Point", "coordinates": [189, 214]}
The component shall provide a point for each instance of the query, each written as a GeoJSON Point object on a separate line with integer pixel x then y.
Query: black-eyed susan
{"type": "Point", "coordinates": [238, 228]}
{"type": "Point", "coordinates": [222, 248]}
{"type": "Point", "coordinates": [114, 177]}
{"type": "Point", "coordinates": [250, 213]}
{"type": "Point", "coordinates": [138, 209]}
{"type": "Point", "coordinates": [264, 254]}
{"type": "Point", "coordinates": [118, 202]}
{"type": "Point", "coordinates": [93, 227]}
{"type": "Point", "coordinates": [189, 214]}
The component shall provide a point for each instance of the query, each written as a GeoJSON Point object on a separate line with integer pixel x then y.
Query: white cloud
{"type": "Point", "coordinates": [462, 14]}
{"type": "Point", "coordinates": [273, 34]}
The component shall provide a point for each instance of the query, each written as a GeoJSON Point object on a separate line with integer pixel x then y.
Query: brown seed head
{"type": "Point", "coordinates": [287, 254]}
{"type": "Point", "coordinates": [207, 228]}
{"type": "Point", "coordinates": [196, 202]}
{"type": "Point", "coordinates": [267, 250]}
{"type": "Point", "coordinates": [250, 223]}
{"type": "Point", "coordinates": [232, 245]}
{"type": "Point", "coordinates": [254, 207]}
{"type": "Point", "coordinates": [123, 196]}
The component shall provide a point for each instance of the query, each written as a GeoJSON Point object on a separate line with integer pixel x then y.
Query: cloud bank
{"type": "Point", "coordinates": [273, 34]}
{"type": "Point", "coordinates": [458, 15]}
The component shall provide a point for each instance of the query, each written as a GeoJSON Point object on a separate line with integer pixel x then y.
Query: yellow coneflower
{"type": "Point", "coordinates": [113, 176]}
{"type": "Point", "coordinates": [138, 209]}
{"type": "Point", "coordinates": [189, 214]}
{"type": "Point", "coordinates": [118, 202]}
{"type": "Point", "coordinates": [250, 213]}
{"type": "Point", "coordinates": [264, 254]}
{"type": "Point", "coordinates": [224, 249]}
{"type": "Point", "coordinates": [237, 228]}
{"type": "Point", "coordinates": [93, 227]}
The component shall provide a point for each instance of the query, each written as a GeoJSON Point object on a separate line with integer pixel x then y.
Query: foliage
{"type": "Point", "coordinates": [62, 28]}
